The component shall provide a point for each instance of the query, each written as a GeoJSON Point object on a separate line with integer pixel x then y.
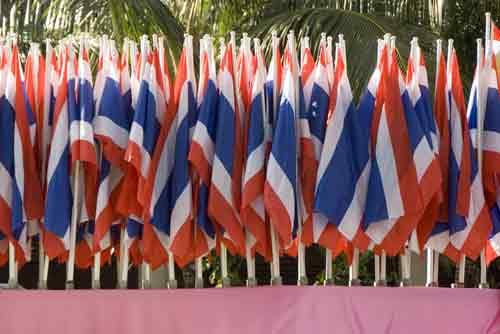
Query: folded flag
{"type": "Point", "coordinates": [224, 200]}
{"type": "Point", "coordinates": [201, 153]}
{"type": "Point", "coordinates": [344, 163]}
{"type": "Point", "coordinates": [253, 214]}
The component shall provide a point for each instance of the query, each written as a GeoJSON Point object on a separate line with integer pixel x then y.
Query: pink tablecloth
{"type": "Point", "coordinates": [332, 310]}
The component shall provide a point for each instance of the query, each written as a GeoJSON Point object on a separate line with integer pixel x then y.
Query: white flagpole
{"type": "Point", "coordinates": [301, 253]}
{"type": "Point", "coordinates": [383, 271]}
{"type": "Point", "coordinates": [96, 270]}
{"type": "Point", "coordinates": [376, 259]}
{"type": "Point", "coordinates": [461, 266]}
{"type": "Point", "coordinates": [429, 281]}
{"type": "Point", "coordinates": [172, 282]}
{"type": "Point", "coordinates": [275, 264]}
{"type": "Point", "coordinates": [70, 266]}
{"type": "Point", "coordinates": [483, 283]}
{"type": "Point", "coordinates": [198, 283]}
{"type": "Point", "coordinates": [436, 269]}
{"type": "Point", "coordinates": [122, 282]}
{"type": "Point", "coordinates": [13, 282]}
{"type": "Point", "coordinates": [354, 269]}
{"type": "Point", "coordinates": [249, 239]}
{"type": "Point", "coordinates": [328, 253]}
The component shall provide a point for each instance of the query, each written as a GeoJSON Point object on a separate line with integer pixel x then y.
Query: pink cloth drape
{"type": "Point", "coordinates": [287, 310]}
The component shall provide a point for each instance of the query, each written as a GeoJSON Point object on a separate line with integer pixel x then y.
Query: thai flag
{"type": "Point", "coordinates": [82, 136]}
{"type": "Point", "coordinates": [224, 200]}
{"type": "Point", "coordinates": [23, 191]}
{"type": "Point", "coordinates": [59, 197]}
{"type": "Point", "coordinates": [150, 111]}
{"type": "Point", "coordinates": [422, 132]}
{"type": "Point", "coordinates": [393, 200]}
{"type": "Point", "coordinates": [280, 189]}
{"type": "Point", "coordinates": [201, 153]}
{"type": "Point", "coordinates": [493, 244]}
{"type": "Point", "coordinates": [468, 216]}
{"type": "Point", "coordinates": [111, 125]}
{"type": "Point", "coordinates": [317, 109]}
{"type": "Point", "coordinates": [273, 83]}
{"type": "Point", "coordinates": [439, 240]}
{"type": "Point", "coordinates": [252, 211]}
{"type": "Point", "coordinates": [490, 134]}
{"type": "Point", "coordinates": [472, 236]}
{"type": "Point", "coordinates": [495, 45]}
{"type": "Point", "coordinates": [307, 68]}
{"type": "Point", "coordinates": [170, 208]}
{"type": "Point", "coordinates": [344, 163]}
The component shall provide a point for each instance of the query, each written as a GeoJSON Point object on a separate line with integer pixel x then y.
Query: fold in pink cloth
{"type": "Point", "coordinates": [332, 310]}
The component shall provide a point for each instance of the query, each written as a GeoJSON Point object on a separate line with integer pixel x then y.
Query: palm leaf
{"type": "Point", "coordinates": [361, 32]}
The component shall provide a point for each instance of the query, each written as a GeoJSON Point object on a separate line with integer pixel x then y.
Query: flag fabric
{"type": "Point", "coordinates": [467, 207]}
{"type": "Point", "coordinates": [273, 83]}
{"type": "Point", "coordinates": [252, 208]}
{"type": "Point", "coordinates": [344, 163]}
{"type": "Point", "coordinates": [280, 189]}
{"type": "Point", "coordinates": [487, 80]}
{"type": "Point", "coordinates": [393, 200]}
{"type": "Point", "coordinates": [422, 132]}
{"type": "Point", "coordinates": [83, 150]}
{"type": "Point", "coordinates": [307, 68]}
{"type": "Point", "coordinates": [201, 153]}
{"type": "Point", "coordinates": [224, 200]}
{"type": "Point", "coordinates": [495, 45]}
{"type": "Point", "coordinates": [493, 245]}
{"type": "Point", "coordinates": [317, 109]}
{"type": "Point", "coordinates": [111, 125]}
{"type": "Point", "coordinates": [149, 113]}
{"type": "Point", "coordinates": [439, 239]}
{"type": "Point", "coordinates": [59, 196]}
{"type": "Point", "coordinates": [25, 189]}
{"type": "Point", "coordinates": [170, 207]}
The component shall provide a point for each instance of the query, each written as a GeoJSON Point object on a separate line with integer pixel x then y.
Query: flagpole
{"type": "Point", "coordinates": [432, 255]}
{"type": "Point", "coordinates": [435, 272]}
{"type": "Point", "coordinates": [13, 282]}
{"type": "Point", "coordinates": [354, 269]}
{"type": "Point", "coordinates": [275, 264]}
{"type": "Point", "coordinates": [301, 259]}
{"type": "Point", "coordinates": [249, 239]}
{"type": "Point", "coordinates": [122, 282]}
{"type": "Point", "coordinates": [172, 282]}
{"type": "Point", "coordinates": [70, 267]}
{"type": "Point", "coordinates": [483, 283]}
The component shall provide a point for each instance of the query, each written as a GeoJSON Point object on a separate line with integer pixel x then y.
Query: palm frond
{"type": "Point", "coordinates": [361, 32]}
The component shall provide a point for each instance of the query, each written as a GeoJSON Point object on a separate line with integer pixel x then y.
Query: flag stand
{"type": "Point", "coordinates": [198, 283]}
{"type": "Point", "coordinates": [483, 282]}
{"type": "Point", "coordinates": [405, 268]}
{"type": "Point", "coordinates": [354, 269]}
{"type": "Point", "coordinates": [430, 282]}
{"type": "Point", "coordinates": [13, 279]}
{"type": "Point", "coordinates": [145, 276]}
{"type": "Point", "coordinates": [96, 271]}
{"type": "Point", "coordinates": [41, 264]}
{"type": "Point", "coordinates": [275, 265]}
{"type": "Point", "coordinates": [460, 282]}
{"type": "Point", "coordinates": [172, 282]}
{"type": "Point", "coordinates": [226, 281]}
{"type": "Point", "coordinates": [250, 259]}
{"type": "Point", "coordinates": [382, 267]}
{"type": "Point", "coordinates": [123, 274]}
{"type": "Point", "coordinates": [328, 268]}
